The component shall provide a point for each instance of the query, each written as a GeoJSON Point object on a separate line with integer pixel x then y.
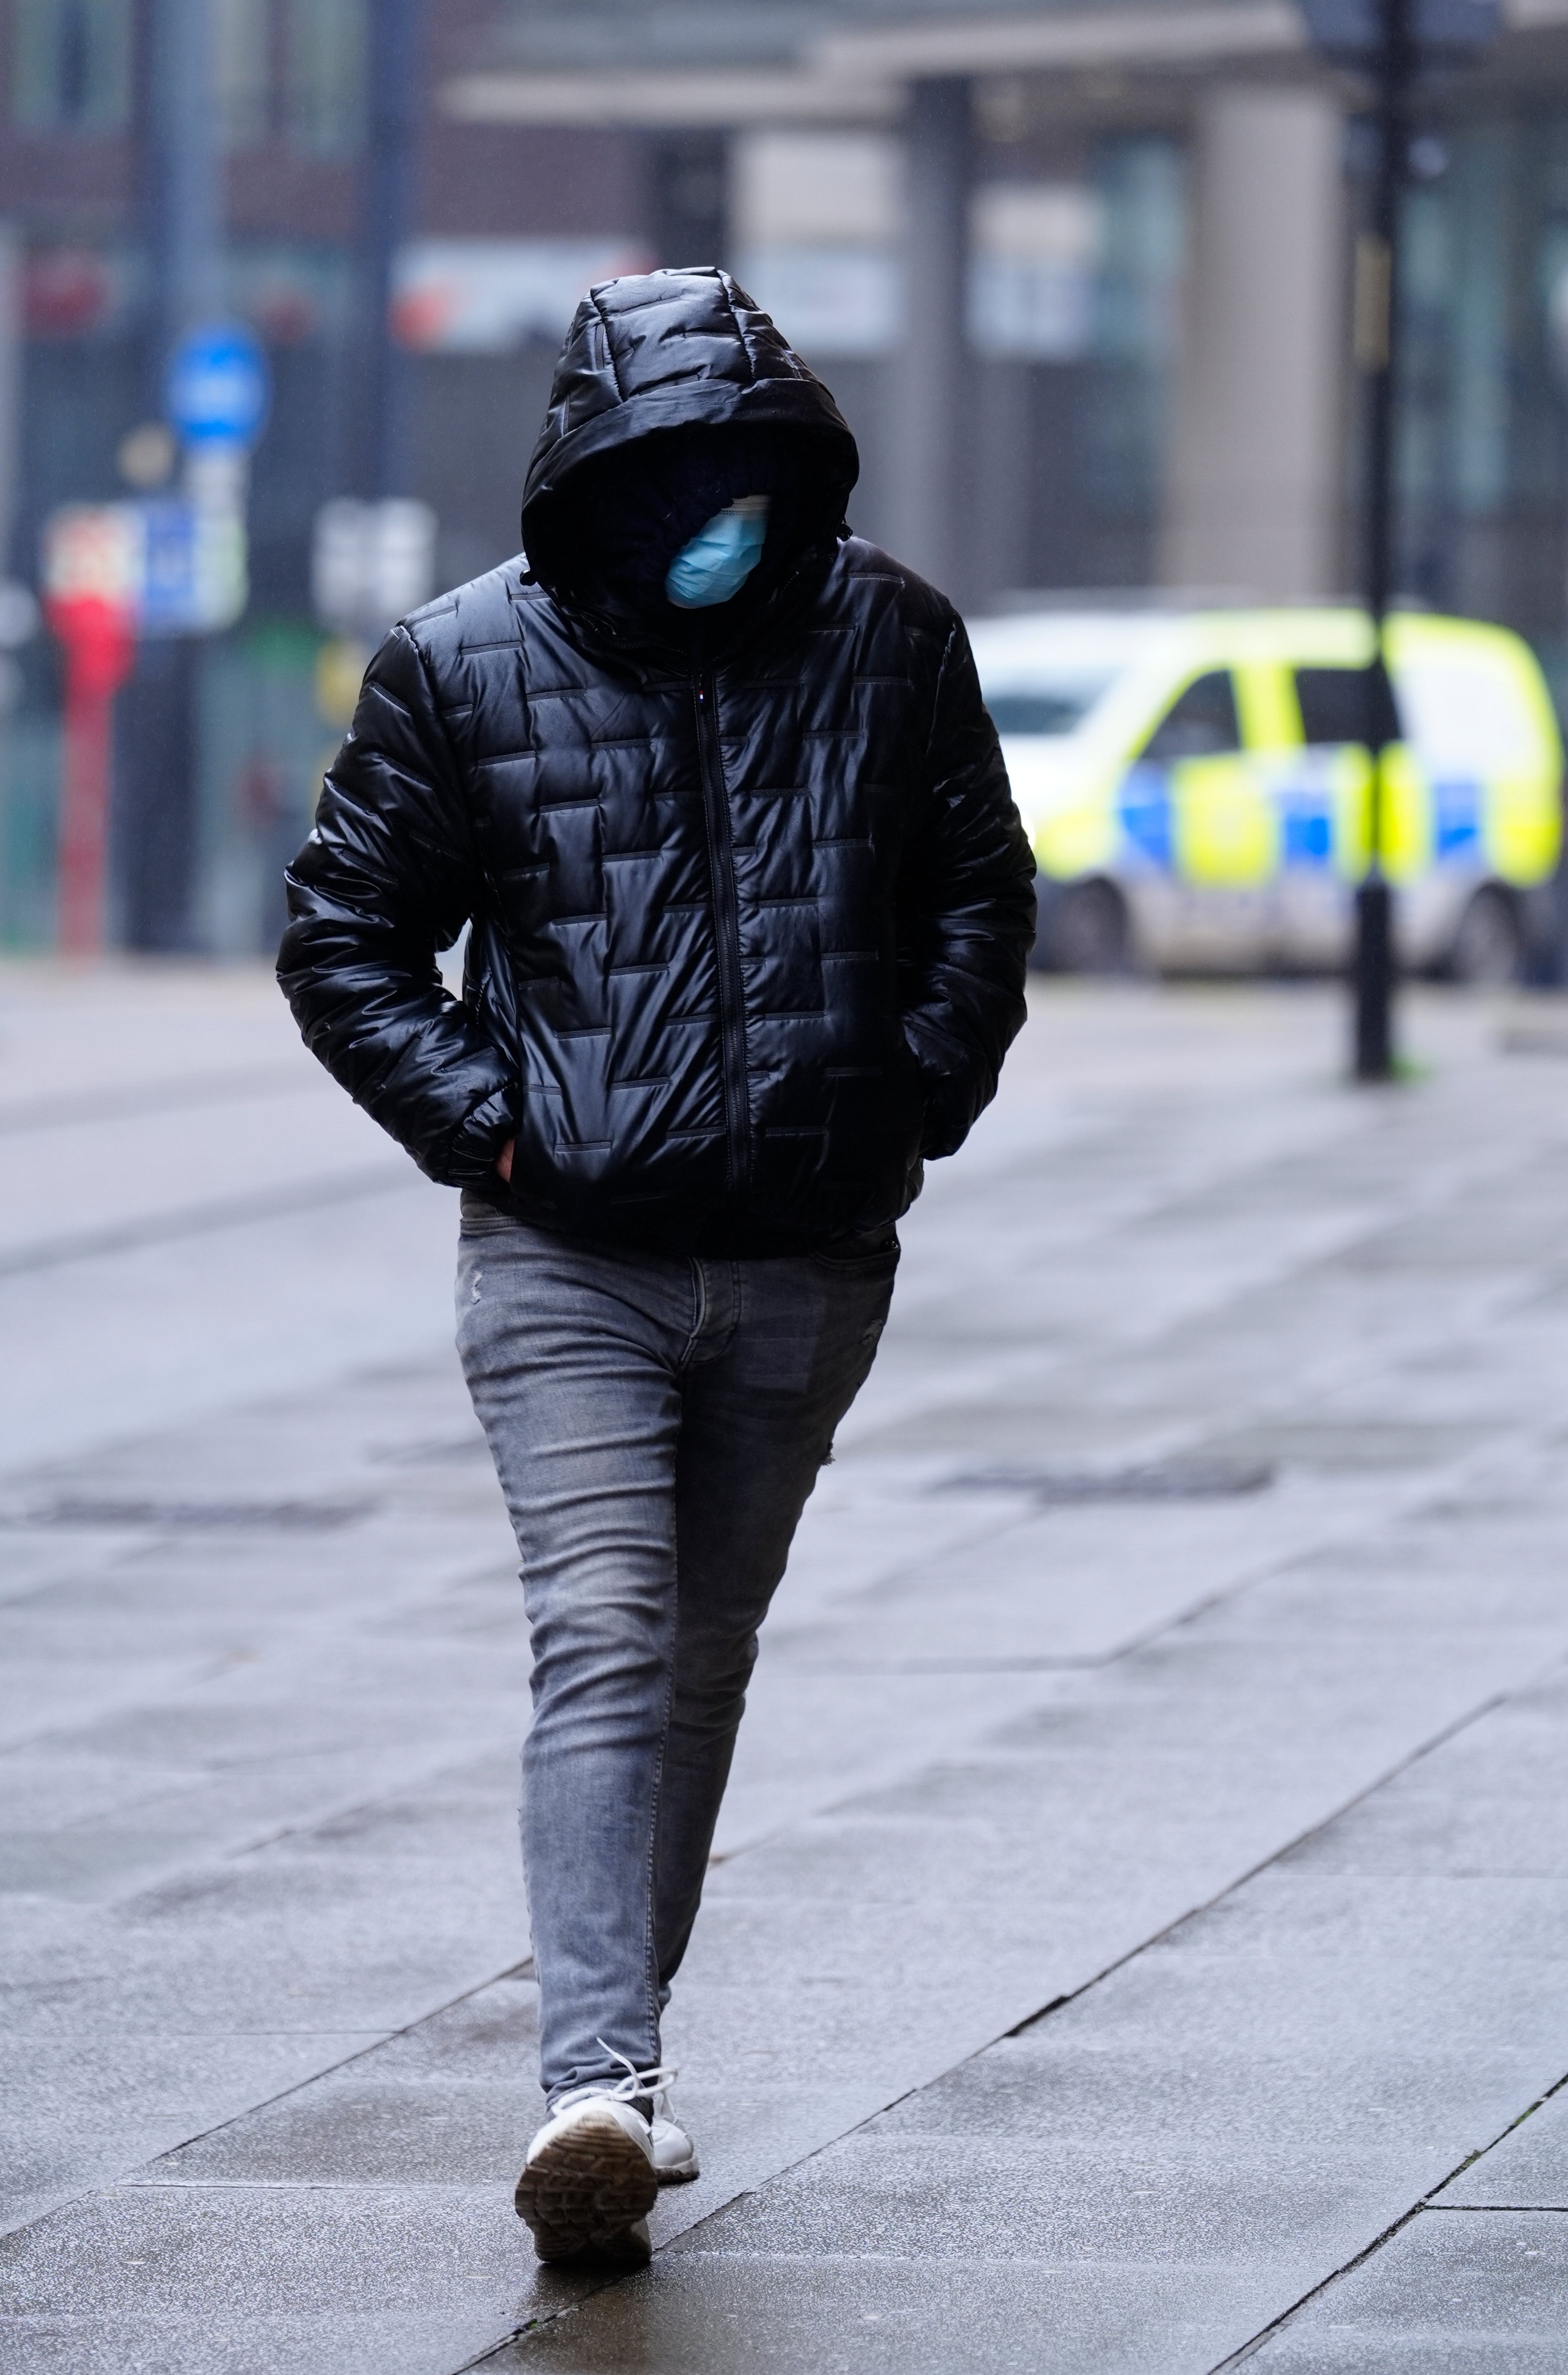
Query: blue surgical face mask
{"type": "Point", "coordinates": [720, 557]}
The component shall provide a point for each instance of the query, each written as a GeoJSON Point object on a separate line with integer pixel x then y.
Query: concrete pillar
{"type": "Point", "coordinates": [386, 207]}
{"type": "Point", "coordinates": [185, 192]}
{"type": "Point", "coordinates": [1254, 490]}
{"type": "Point", "coordinates": [999, 484]}
{"type": "Point", "coordinates": [928, 398]}
{"type": "Point", "coordinates": [689, 179]}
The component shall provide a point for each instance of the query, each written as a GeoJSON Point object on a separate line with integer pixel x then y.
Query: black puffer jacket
{"type": "Point", "coordinates": [749, 922]}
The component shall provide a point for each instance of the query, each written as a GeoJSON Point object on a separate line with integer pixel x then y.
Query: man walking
{"type": "Point", "coordinates": [712, 783]}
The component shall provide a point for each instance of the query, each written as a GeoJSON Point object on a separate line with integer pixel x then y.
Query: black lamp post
{"type": "Point", "coordinates": [157, 795]}
{"type": "Point", "coordinates": [1393, 43]}
{"type": "Point", "coordinates": [1377, 335]}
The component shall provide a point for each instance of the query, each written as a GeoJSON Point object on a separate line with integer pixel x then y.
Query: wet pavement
{"type": "Point", "coordinates": [1138, 1934]}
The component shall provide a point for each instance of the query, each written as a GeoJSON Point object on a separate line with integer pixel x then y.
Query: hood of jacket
{"type": "Point", "coordinates": [673, 349]}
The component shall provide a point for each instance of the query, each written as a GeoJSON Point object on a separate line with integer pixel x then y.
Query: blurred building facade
{"type": "Point", "coordinates": [1078, 274]}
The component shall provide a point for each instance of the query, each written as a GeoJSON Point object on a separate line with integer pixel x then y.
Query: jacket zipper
{"type": "Point", "coordinates": [726, 933]}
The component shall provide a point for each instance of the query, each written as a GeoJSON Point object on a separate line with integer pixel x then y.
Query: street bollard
{"type": "Point", "coordinates": [99, 643]}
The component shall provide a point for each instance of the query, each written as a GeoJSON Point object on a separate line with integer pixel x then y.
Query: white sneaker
{"type": "Point", "coordinates": [590, 2178]}
{"type": "Point", "coordinates": [675, 2155]}
{"type": "Point", "coordinates": [588, 2183]}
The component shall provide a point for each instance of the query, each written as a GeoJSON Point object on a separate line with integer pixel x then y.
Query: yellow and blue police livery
{"type": "Point", "coordinates": [1198, 786]}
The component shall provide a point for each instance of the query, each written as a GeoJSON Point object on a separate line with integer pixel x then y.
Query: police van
{"type": "Point", "coordinates": [1197, 785]}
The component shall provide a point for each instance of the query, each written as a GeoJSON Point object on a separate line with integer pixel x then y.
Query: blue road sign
{"type": "Point", "coordinates": [193, 578]}
{"type": "Point", "coordinates": [217, 387]}
{"type": "Point", "coordinates": [169, 579]}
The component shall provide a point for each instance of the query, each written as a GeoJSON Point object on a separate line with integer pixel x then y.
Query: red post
{"type": "Point", "coordinates": [100, 641]}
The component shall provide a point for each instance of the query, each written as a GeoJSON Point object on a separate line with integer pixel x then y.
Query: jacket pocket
{"type": "Point", "coordinates": [873, 1256]}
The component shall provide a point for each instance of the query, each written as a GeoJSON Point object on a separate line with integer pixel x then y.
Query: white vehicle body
{"type": "Point", "coordinates": [1201, 769]}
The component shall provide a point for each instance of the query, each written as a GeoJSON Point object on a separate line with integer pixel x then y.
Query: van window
{"type": "Point", "coordinates": [1340, 704]}
{"type": "Point", "coordinates": [1201, 724]}
{"type": "Point", "coordinates": [1468, 717]}
{"type": "Point", "coordinates": [1046, 704]}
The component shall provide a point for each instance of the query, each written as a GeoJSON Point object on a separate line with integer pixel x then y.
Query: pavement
{"type": "Point", "coordinates": [1138, 1933]}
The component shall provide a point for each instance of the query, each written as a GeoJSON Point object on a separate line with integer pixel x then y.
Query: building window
{"type": "Point", "coordinates": [324, 76]}
{"type": "Point", "coordinates": [71, 64]}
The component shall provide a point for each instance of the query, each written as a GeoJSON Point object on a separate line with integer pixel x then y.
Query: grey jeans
{"type": "Point", "coordinates": [657, 1422]}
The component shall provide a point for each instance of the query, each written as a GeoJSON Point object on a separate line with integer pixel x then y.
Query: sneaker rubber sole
{"type": "Point", "coordinates": [586, 2192]}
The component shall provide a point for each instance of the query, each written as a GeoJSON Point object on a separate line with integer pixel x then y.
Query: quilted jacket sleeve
{"type": "Point", "coordinates": [966, 910]}
{"type": "Point", "coordinates": [388, 877]}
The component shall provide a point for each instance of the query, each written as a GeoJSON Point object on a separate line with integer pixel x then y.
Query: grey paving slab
{"type": "Point", "coordinates": [32, 1559]}
{"type": "Point", "coordinates": [177, 2280]}
{"type": "Point", "coordinates": [983, 2197]}
{"type": "Point", "coordinates": [382, 1421]}
{"type": "Point", "coordinates": [1071, 1585]}
{"type": "Point", "coordinates": [861, 1526]}
{"type": "Point", "coordinates": [1334, 1443]}
{"type": "Point", "coordinates": [311, 1934]}
{"type": "Point", "coordinates": [452, 2101]}
{"type": "Point", "coordinates": [232, 1810]}
{"type": "Point", "coordinates": [1526, 2169]}
{"type": "Point", "coordinates": [1013, 1428]}
{"type": "Point", "coordinates": [52, 1178]}
{"type": "Point", "coordinates": [818, 1735]}
{"type": "Point", "coordinates": [55, 1789]}
{"type": "Point", "coordinates": [1454, 2293]}
{"type": "Point", "coordinates": [169, 1327]}
{"type": "Point", "coordinates": [991, 1751]}
{"type": "Point", "coordinates": [456, 2099]}
{"type": "Point", "coordinates": [1494, 1804]}
{"type": "Point", "coordinates": [98, 1863]}
{"type": "Point", "coordinates": [351, 2131]}
{"type": "Point", "coordinates": [701, 2314]}
{"type": "Point", "coordinates": [339, 1942]}
{"type": "Point", "coordinates": [1231, 2115]}
{"type": "Point", "coordinates": [82, 2109]}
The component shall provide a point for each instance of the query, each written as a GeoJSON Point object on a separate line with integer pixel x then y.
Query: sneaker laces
{"type": "Point", "coordinates": [637, 2085]}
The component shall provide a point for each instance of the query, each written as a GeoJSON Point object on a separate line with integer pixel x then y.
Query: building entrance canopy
{"type": "Point", "coordinates": [655, 64]}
